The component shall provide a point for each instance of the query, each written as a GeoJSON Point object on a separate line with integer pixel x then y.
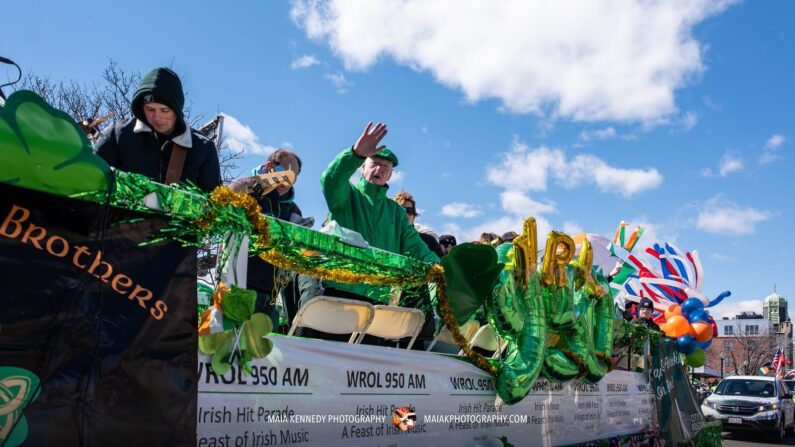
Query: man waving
{"type": "Point", "coordinates": [365, 208]}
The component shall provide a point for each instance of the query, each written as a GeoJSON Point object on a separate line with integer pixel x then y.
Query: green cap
{"type": "Point", "coordinates": [386, 154]}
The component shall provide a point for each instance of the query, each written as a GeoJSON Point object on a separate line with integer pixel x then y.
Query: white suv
{"type": "Point", "coordinates": [754, 403]}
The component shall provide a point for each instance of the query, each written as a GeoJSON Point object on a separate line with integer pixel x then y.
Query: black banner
{"type": "Point", "coordinates": [678, 411]}
{"type": "Point", "coordinates": [103, 329]}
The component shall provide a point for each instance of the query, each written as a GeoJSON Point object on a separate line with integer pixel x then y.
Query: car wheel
{"type": "Point", "coordinates": [780, 433]}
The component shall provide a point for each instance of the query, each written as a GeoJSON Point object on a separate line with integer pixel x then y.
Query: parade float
{"type": "Point", "coordinates": [98, 333]}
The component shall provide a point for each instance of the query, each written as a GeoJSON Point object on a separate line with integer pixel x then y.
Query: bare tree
{"type": "Point", "coordinates": [750, 347]}
{"type": "Point", "coordinates": [118, 90]}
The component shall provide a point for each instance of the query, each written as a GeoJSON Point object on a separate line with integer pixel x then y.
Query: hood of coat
{"type": "Point", "coordinates": [163, 86]}
{"type": "Point", "coordinates": [184, 139]}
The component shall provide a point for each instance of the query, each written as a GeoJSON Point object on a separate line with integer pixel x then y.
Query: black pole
{"type": "Point", "coordinates": [19, 70]}
{"type": "Point", "coordinates": [721, 368]}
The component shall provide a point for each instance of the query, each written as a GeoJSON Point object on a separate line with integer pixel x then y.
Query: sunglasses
{"type": "Point", "coordinates": [410, 210]}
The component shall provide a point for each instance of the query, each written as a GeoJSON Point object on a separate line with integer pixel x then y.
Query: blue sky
{"type": "Point", "coordinates": [677, 115]}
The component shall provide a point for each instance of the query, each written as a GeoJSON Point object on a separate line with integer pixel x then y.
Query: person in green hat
{"type": "Point", "coordinates": [365, 208]}
{"type": "Point", "coordinates": [156, 141]}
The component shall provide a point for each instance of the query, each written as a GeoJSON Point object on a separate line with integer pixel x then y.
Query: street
{"type": "Point", "coordinates": [751, 440]}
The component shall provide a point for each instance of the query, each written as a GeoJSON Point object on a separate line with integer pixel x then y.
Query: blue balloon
{"type": "Point", "coordinates": [719, 298]}
{"type": "Point", "coordinates": [699, 315]}
{"type": "Point", "coordinates": [706, 344]}
{"type": "Point", "coordinates": [692, 305]}
{"type": "Point", "coordinates": [686, 344]}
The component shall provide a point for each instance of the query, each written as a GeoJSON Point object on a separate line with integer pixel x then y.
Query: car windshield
{"type": "Point", "coordinates": [790, 386]}
{"type": "Point", "coordinates": [750, 387]}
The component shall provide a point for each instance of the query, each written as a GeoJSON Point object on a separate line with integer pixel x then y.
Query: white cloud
{"type": "Point", "coordinates": [240, 138]}
{"type": "Point", "coordinates": [733, 308]}
{"type": "Point", "coordinates": [775, 141]}
{"type": "Point", "coordinates": [525, 169]}
{"type": "Point", "coordinates": [689, 120]}
{"type": "Point", "coordinates": [768, 157]}
{"type": "Point", "coordinates": [729, 164]}
{"type": "Point", "coordinates": [625, 182]}
{"type": "Point", "coordinates": [454, 229]}
{"type": "Point", "coordinates": [397, 177]}
{"type": "Point", "coordinates": [598, 60]}
{"type": "Point", "coordinates": [517, 203]}
{"type": "Point", "coordinates": [607, 133]}
{"type": "Point", "coordinates": [571, 227]}
{"type": "Point", "coordinates": [770, 153]}
{"type": "Point", "coordinates": [304, 61]}
{"type": "Point", "coordinates": [598, 134]}
{"type": "Point", "coordinates": [339, 81]}
{"type": "Point", "coordinates": [722, 216]}
{"type": "Point", "coordinates": [722, 257]}
{"type": "Point", "coordinates": [460, 209]}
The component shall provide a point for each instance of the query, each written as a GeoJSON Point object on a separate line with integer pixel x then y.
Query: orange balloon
{"type": "Point", "coordinates": [673, 309]}
{"type": "Point", "coordinates": [703, 331]}
{"type": "Point", "coordinates": [677, 326]}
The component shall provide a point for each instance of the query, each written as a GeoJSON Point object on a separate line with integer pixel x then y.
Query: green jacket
{"type": "Point", "coordinates": [365, 208]}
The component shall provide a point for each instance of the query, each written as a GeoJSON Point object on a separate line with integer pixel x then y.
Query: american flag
{"type": "Point", "coordinates": [778, 361]}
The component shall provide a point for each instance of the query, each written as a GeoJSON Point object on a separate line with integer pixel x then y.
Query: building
{"type": "Point", "coordinates": [774, 308]}
{"type": "Point", "coordinates": [744, 344]}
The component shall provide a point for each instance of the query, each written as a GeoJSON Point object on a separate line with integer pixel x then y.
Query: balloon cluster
{"type": "Point", "coordinates": [672, 280]}
{"type": "Point", "coordinates": [692, 327]}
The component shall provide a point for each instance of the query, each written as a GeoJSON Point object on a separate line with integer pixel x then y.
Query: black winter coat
{"type": "Point", "coordinates": [261, 273]}
{"type": "Point", "coordinates": [131, 146]}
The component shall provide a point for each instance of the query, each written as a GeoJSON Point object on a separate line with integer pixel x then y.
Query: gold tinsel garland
{"type": "Point", "coordinates": [223, 196]}
{"type": "Point", "coordinates": [340, 275]}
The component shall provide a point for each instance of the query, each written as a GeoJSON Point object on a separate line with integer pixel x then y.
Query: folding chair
{"type": "Point", "coordinates": [392, 322]}
{"type": "Point", "coordinates": [334, 315]}
{"type": "Point", "coordinates": [468, 330]}
{"type": "Point", "coordinates": [487, 339]}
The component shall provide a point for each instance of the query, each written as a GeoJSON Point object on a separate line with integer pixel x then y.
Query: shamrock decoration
{"type": "Point", "coordinates": [230, 329]}
{"type": "Point", "coordinates": [45, 150]}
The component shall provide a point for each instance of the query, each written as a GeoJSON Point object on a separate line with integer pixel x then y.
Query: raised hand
{"type": "Point", "coordinates": [367, 144]}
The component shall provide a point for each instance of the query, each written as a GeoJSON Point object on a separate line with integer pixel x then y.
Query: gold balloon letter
{"type": "Point", "coordinates": [559, 252]}
{"type": "Point", "coordinates": [526, 252]}
{"type": "Point", "coordinates": [585, 279]}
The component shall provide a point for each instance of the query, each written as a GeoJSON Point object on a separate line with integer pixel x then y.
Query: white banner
{"type": "Point", "coordinates": [320, 393]}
